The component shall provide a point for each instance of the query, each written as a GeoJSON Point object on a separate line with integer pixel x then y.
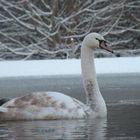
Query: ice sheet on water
{"type": "Point", "coordinates": [67, 67]}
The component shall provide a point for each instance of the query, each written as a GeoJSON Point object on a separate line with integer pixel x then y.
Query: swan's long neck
{"type": "Point", "coordinates": [94, 97]}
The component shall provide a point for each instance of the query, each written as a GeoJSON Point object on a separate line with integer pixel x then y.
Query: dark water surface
{"type": "Point", "coordinates": [122, 123]}
{"type": "Point", "coordinates": [121, 92]}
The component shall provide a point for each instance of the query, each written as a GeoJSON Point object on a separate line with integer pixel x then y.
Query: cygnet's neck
{"type": "Point", "coordinates": [94, 97]}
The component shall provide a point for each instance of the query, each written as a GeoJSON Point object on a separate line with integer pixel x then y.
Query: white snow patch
{"type": "Point", "coordinates": [67, 67]}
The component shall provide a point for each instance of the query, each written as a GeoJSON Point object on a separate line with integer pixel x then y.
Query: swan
{"type": "Point", "coordinates": [54, 105]}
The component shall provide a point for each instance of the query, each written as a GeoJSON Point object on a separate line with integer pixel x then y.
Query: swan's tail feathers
{"type": "Point", "coordinates": [3, 109]}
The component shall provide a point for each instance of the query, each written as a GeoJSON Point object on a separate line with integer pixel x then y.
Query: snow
{"type": "Point", "coordinates": [67, 67]}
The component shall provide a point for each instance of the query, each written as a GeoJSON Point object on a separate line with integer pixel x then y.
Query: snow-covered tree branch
{"type": "Point", "coordinates": [54, 29]}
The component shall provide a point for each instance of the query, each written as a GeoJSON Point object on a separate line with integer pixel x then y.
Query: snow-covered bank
{"type": "Point", "coordinates": [67, 67]}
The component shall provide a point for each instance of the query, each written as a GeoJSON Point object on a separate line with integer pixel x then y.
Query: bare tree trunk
{"type": "Point", "coordinates": [56, 36]}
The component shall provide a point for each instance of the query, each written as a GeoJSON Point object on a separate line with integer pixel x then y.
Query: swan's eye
{"type": "Point", "coordinates": [97, 39]}
{"type": "Point", "coordinates": [100, 41]}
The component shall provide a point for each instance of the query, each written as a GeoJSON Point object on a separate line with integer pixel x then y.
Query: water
{"type": "Point", "coordinates": [114, 87]}
{"type": "Point", "coordinates": [121, 93]}
{"type": "Point", "coordinates": [122, 123]}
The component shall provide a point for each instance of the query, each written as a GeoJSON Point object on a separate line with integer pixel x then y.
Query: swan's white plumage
{"type": "Point", "coordinates": [44, 105]}
{"type": "Point", "coordinates": [54, 105]}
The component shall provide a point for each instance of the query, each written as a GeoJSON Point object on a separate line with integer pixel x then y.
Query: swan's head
{"type": "Point", "coordinates": [95, 40]}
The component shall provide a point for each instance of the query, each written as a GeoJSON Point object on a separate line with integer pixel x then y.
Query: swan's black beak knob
{"type": "Point", "coordinates": [103, 45]}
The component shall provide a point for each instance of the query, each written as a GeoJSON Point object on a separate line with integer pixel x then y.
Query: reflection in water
{"type": "Point", "coordinates": [58, 129]}
{"type": "Point", "coordinates": [123, 123]}
{"type": "Point", "coordinates": [96, 129]}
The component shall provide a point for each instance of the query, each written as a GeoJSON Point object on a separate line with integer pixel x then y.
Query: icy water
{"type": "Point", "coordinates": [122, 123]}
{"type": "Point", "coordinates": [121, 92]}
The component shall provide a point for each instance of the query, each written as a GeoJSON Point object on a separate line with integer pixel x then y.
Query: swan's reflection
{"type": "Point", "coordinates": [96, 129]}
{"type": "Point", "coordinates": [93, 129]}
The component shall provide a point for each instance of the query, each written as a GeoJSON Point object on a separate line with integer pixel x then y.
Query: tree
{"type": "Point", "coordinates": [54, 29]}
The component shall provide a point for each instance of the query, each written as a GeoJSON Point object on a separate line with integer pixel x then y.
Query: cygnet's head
{"type": "Point", "coordinates": [95, 40]}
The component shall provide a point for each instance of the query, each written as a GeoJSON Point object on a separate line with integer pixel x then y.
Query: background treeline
{"type": "Point", "coordinates": [47, 29]}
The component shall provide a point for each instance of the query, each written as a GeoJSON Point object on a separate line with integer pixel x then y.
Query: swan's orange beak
{"type": "Point", "coordinates": [103, 45]}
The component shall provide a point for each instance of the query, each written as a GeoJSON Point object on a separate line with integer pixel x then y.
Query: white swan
{"type": "Point", "coordinates": [53, 105]}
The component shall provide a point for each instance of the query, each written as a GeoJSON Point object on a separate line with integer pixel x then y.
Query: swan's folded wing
{"type": "Point", "coordinates": [44, 105]}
